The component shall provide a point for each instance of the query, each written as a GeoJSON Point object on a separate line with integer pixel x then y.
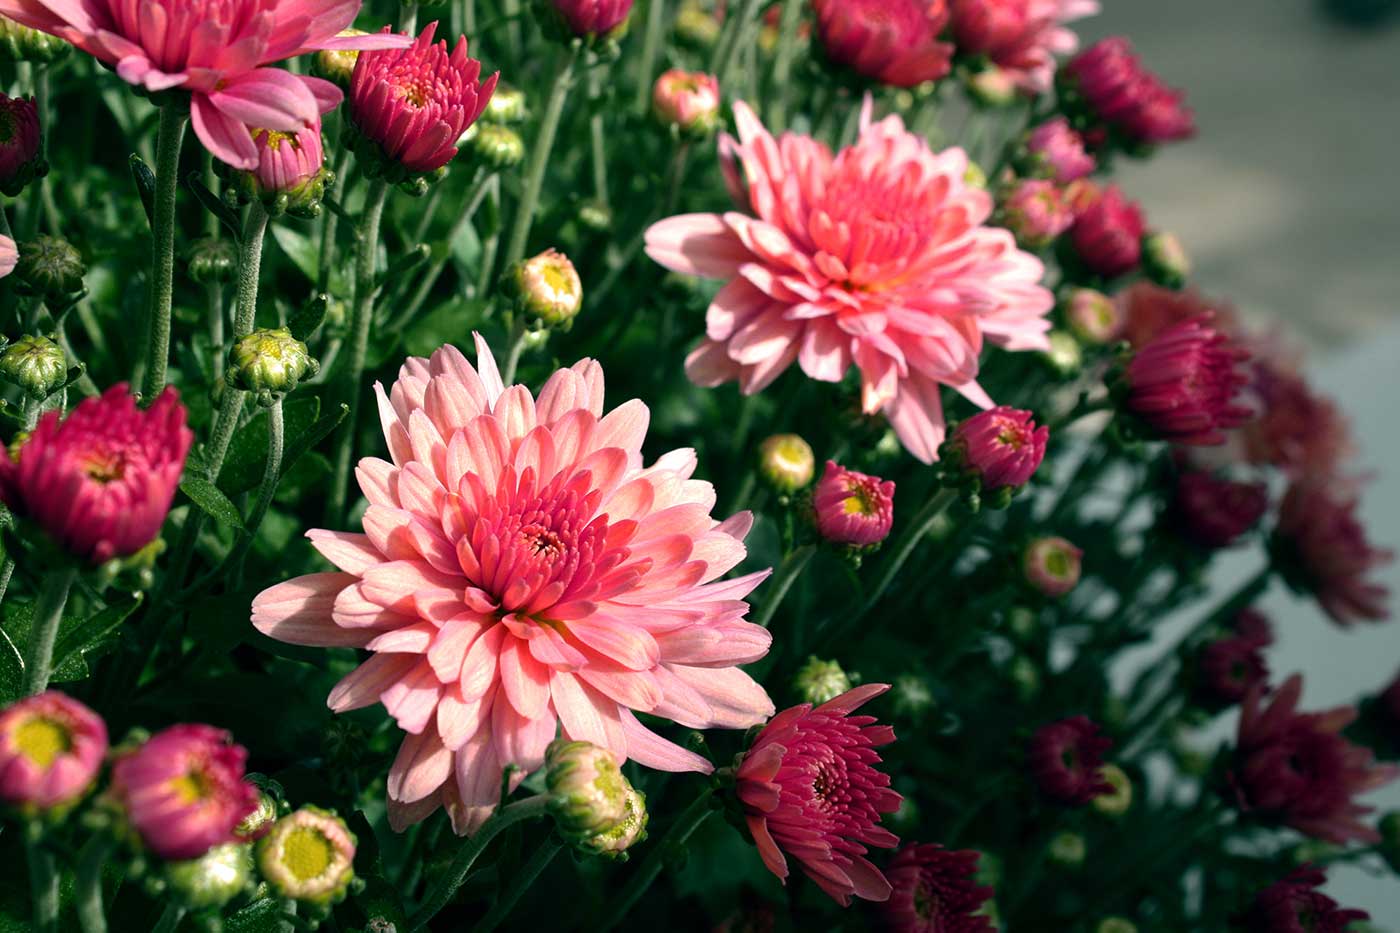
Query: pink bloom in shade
{"type": "Point", "coordinates": [1061, 150]}
{"type": "Point", "coordinates": [1128, 97]}
{"type": "Point", "coordinates": [852, 508]}
{"type": "Point", "coordinates": [287, 162]}
{"type": "Point", "coordinates": [1036, 212]}
{"type": "Point", "coordinates": [876, 257]}
{"type": "Point", "coordinates": [520, 569]}
{"type": "Point", "coordinates": [1322, 549]}
{"type": "Point", "coordinates": [1213, 512]}
{"type": "Point", "coordinates": [1065, 758]}
{"type": "Point", "coordinates": [936, 891]}
{"type": "Point", "coordinates": [1022, 37]}
{"type": "Point", "coordinates": [415, 103]}
{"type": "Point", "coordinates": [891, 41]}
{"type": "Point", "coordinates": [1148, 310]}
{"type": "Point", "coordinates": [1052, 566]}
{"type": "Point", "coordinates": [1107, 233]}
{"type": "Point", "coordinates": [689, 100]}
{"type": "Point", "coordinates": [1295, 905]}
{"type": "Point", "coordinates": [183, 790]}
{"type": "Point", "coordinates": [216, 50]}
{"type": "Point", "coordinates": [9, 256]}
{"type": "Point", "coordinates": [1093, 316]}
{"type": "Point", "coordinates": [810, 789]}
{"type": "Point", "coordinates": [51, 748]}
{"type": "Point", "coordinates": [1183, 384]}
{"type": "Point", "coordinates": [100, 481]}
{"type": "Point", "coordinates": [1297, 769]}
{"type": "Point", "coordinates": [1002, 447]}
{"type": "Point", "coordinates": [1297, 430]}
{"type": "Point", "coordinates": [1228, 668]}
{"type": "Point", "coordinates": [588, 18]}
{"type": "Point", "coordinates": [20, 138]}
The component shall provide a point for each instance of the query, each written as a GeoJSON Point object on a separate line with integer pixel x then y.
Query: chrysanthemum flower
{"type": "Point", "coordinates": [21, 141]}
{"type": "Point", "coordinates": [1183, 385]}
{"type": "Point", "coordinates": [1228, 668]}
{"type": "Point", "coordinates": [100, 481]}
{"type": "Point", "coordinates": [9, 256]}
{"type": "Point", "coordinates": [936, 891]}
{"type": "Point", "coordinates": [1061, 151]}
{"type": "Point", "coordinates": [414, 104]}
{"type": "Point", "coordinates": [852, 508]}
{"type": "Point", "coordinates": [1295, 905]}
{"type": "Point", "coordinates": [1036, 212]}
{"type": "Point", "coordinates": [1297, 429]}
{"type": "Point", "coordinates": [810, 789]}
{"type": "Point", "coordinates": [1021, 37]}
{"type": "Point", "coordinates": [1107, 232]}
{"type": "Point", "coordinates": [288, 162]}
{"type": "Point", "coordinates": [216, 50]}
{"type": "Point", "coordinates": [1121, 92]}
{"type": "Point", "coordinates": [51, 748]}
{"type": "Point", "coordinates": [688, 100]}
{"type": "Point", "coordinates": [1052, 565]}
{"type": "Point", "coordinates": [521, 570]}
{"type": "Point", "coordinates": [593, 18]}
{"type": "Point", "coordinates": [1002, 447]}
{"type": "Point", "coordinates": [1064, 760]}
{"type": "Point", "coordinates": [1299, 770]}
{"type": "Point", "coordinates": [1323, 549]}
{"type": "Point", "coordinates": [1148, 310]}
{"type": "Point", "coordinates": [182, 790]}
{"type": "Point", "coordinates": [876, 257]}
{"type": "Point", "coordinates": [894, 42]}
{"type": "Point", "coordinates": [1213, 511]}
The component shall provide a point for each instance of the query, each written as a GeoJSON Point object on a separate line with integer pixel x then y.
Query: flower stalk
{"type": "Point", "coordinates": [48, 616]}
{"type": "Point", "coordinates": [786, 575]}
{"type": "Point", "coordinates": [171, 134]}
{"type": "Point", "coordinates": [43, 880]}
{"type": "Point", "coordinates": [539, 155]}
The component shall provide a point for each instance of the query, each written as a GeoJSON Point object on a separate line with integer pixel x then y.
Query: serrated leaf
{"type": "Point", "coordinates": [145, 185]}
{"type": "Point", "coordinates": [212, 501]}
{"type": "Point", "coordinates": [247, 452]}
{"type": "Point", "coordinates": [77, 641]}
{"type": "Point", "coordinates": [215, 205]}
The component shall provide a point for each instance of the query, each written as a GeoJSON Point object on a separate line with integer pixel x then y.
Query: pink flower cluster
{"type": "Point", "coordinates": [1021, 37]}
{"type": "Point", "coordinates": [1183, 384]}
{"type": "Point", "coordinates": [895, 42]}
{"type": "Point", "coordinates": [1128, 97]}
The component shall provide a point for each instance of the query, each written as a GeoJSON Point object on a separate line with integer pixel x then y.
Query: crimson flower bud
{"type": "Point", "coordinates": [1182, 385]}
{"type": "Point", "coordinates": [895, 42]}
{"type": "Point", "coordinates": [1059, 151]}
{"type": "Point", "coordinates": [853, 508]}
{"type": "Point", "coordinates": [594, 20]}
{"type": "Point", "coordinates": [1107, 233]}
{"type": "Point", "coordinates": [1001, 447]}
{"type": "Point", "coordinates": [21, 145]}
{"type": "Point", "coordinates": [1065, 759]}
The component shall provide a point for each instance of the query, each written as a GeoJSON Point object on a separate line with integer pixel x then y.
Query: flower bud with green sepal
{"type": "Point", "coordinates": [212, 880]}
{"type": "Point", "coordinates": [546, 289]}
{"type": "Point", "coordinates": [588, 793]}
{"type": "Point", "coordinates": [818, 681]}
{"type": "Point", "coordinates": [309, 857]}
{"type": "Point", "coordinates": [51, 267]}
{"type": "Point", "coordinates": [35, 364]}
{"type": "Point", "coordinates": [614, 841]}
{"type": "Point", "coordinates": [494, 145]}
{"type": "Point", "coordinates": [212, 261]}
{"type": "Point", "coordinates": [270, 361]}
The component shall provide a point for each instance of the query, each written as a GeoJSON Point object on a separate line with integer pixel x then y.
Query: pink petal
{"type": "Point", "coordinates": [298, 612]}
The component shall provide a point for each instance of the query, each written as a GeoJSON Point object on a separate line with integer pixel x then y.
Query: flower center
{"type": "Point", "coordinates": [9, 126]}
{"type": "Point", "coordinates": [1057, 564]}
{"type": "Point", "coordinates": [307, 853]}
{"type": "Point", "coordinates": [105, 466]}
{"type": "Point", "coordinates": [192, 787]}
{"type": "Point", "coordinates": [273, 139]}
{"type": "Point", "coordinates": [43, 740]}
{"type": "Point", "coordinates": [413, 92]}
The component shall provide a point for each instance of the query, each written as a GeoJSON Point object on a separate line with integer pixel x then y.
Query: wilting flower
{"type": "Point", "coordinates": [51, 748]}
{"type": "Point", "coordinates": [1297, 429]}
{"type": "Point", "coordinates": [1064, 760]}
{"type": "Point", "coordinates": [100, 481]}
{"type": "Point", "coordinates": [1295, 905]}
{"type": "Point", "coordinates": [688, 100]}
{"type": "Point", "coordinates": [1107, 233]}
{"type": "Point", "coordinates": [1183, 384]}
{"type": "Point", "coordinates": [414, 104]}
{"type": "Point", "coordinates": [1052, 566]}
{"type": "Point", "coordinates": [936, 891]}
{"type": "Point", "coordinates": [520, 569]}
{"type": "Point", "coordinates": [1060, 150]}
{"type": "Point", "coordinates": [1299, 770]}
{"type": "Point", "coordinates": [1126, 96]}
{"type": "Point", "coordinates": [593, 18]}
{"type": "Point", "coordinates": [891, 41]}
{"type": "Point", "coordinates": [9, 256]}
{"type": "Point", "coordinates": [852, 508]}
{"type": "Point", "coordinates": [182, 790]}
{"type": "Point", "coordinates": [1021, 37]}
{"type": "Point", "coordinates": [308, 856]}
{"type": "Point", "coordinates": [216, 52]}
{"type": "Point", "coordinates": [876, 257]}
{"type": "Point", "coordinates": [810, 789]}
{"type": "Point", "coordinates": [21, 142]}
{"type": "Point", "coordinates": [1148, 310]}
{"type": "Point", "coordinates": [1001, 447]}
{"type": "Point", "coordinates": [1212, 511]}
{"type": "Point", "coordinates": [1093, 316]}
{"type": "Point", "coordinates": [1324, 550]}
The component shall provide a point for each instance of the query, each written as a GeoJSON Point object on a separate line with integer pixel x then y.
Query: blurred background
{"type": "Point", "coordinates": [1289, 204]}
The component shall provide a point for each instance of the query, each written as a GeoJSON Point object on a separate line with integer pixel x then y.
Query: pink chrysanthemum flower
{"type": "Point", "coordinates": [20, 141]}
{"type": "Point", "coordinates": [1036, 212]}
{"type": "Point", "coordinates": [688, 100]}
{"type": "Point", "coordinates": [1061, 150]}
{"type": "Point", "coordinates": [1213, 511]}
{"type": "Point", "coordinates": [288, 162]}
{"type": "Point", "coordinates": [852, 508]}
{"type": "Point", "coordinates": [1148, 310]}
{"type": "Point", "coordinates": [1107, 231]}
{"type": "Point", "coordinates": [9, 256]}
{"type": "Point", "coordinates": [1021, 37]}
{"type": "Point", "coordinates": [520, 570]}
{"type": "Point", "coordinates": [1323, 549]}
{"type": "Point", "coordinates": [1183, 384]}
{"type": "Point", "coordinates": [415, 103]}
{"type": "Point", "coordinates": [1001, 447]}
{"type": "Point", "coordinates": [216, 50]}
{"type": "Point", "coordinates": [100, 481]}
{"type": "Point", "coordinates": [1128, 97]}
{"type": "Point", "coordinates": [936, 891]}
{"type": "Point", "coordinates": [1065, 758]}
{"type": "Point", "coordinates": [183, 791]}
{"type": "Point", "coordinates": [1299, 770]}
{"type": "Point", "coordinates": [1297, 429]}
{"type": "Point", "coordinates": [810, 789]}
{"type": "Point", "coordinates": [591, 18]}
{"type": "Point", "coordinates": [51, 748]}
{"type": "Point", "coordinates": [1295, 905]}
{"type": "Point", "coordinates": [894, 42]}
{"type": "Point", "coordinates": [876, 257]}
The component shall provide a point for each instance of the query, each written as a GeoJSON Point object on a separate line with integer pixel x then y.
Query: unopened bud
{"type": "Point", "coordinates": [974, 175]}
{"type": "Point", "coordinates": [1117, 801]}
{"type": "Point", "coordinates": [495, 145]}
{"type": "Point", "coordinates": [50, 266]}
{"type": "Point", "coordinates": [213, 879]}
{"type": "Point", "coordinates": [212, 260]}
{"type": "Point", "coordinates": [337, 65]}
{"type": "Point", "coordinates": [912, 696]}
{"type": "Point", "coordinates": [35, 364]}
{"type": "Point", "coordinates": [19, 43]}
{"type": "Point", "coordinates": [786, 463]}
{"type": "Point", "coordinates": [270, 360]}
{"type": "Point", "coordinates": [1067, 850]}
{"type": "Point", "coordinates": [588, 793]}
{"type": "Point", "coordinates": [1052, 565]}
{"type": "Point", "coordinates": [1065, 356]}
{"type": "Point", "coordinates": [21, 144]}
{"type": "Point", "coordinates": [687, 100]}
{"type": "Point", "coordinates": [309, 856]}
{"type": "Point", "coordinates": [595, 216]}
{"type": "Point", "coordinates": [545, 288]}
{"type": "Point", "coordinates": [1093, 317]}
{"type": "Point", "coordinates": [818, 681]}
{"type": "Point", "coordinates": [507, 105]}
{"type": "Point", "coordinates": [991, 87]}
{"type": "Point", "coordinates": [1165, 259]}
{"type": "Point", "coordinates": [257, 824]}
{"type": "Point", "coordinates": [696, 26]}
{"type": "Point", "coordinates": [614, 841]}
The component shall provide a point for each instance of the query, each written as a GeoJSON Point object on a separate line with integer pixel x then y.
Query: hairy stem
{"type": "Point", "coordinates": [43, 880]}
{"type": "Point", "coordinates": [173, 120]}
{"type": "Point", "coordinates": [48, 614]}
{"type": "Point", "coordinates": [520, 882]}
{"type": "Point", "coordinates": [539, 157]}
{"type": "Point", "coordinates": [88, 885]}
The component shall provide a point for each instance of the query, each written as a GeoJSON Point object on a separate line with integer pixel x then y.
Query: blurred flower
{"type": "Point", "coordinates": [1067, 849]}
{"type": "Point", "coordinates": [100, 481]}
{"type": "Point", "coordinates": [588, 793]}
{"type": "Point", "coordinates": [1212, 511]}
{"type": "Point", "coordinates": [1165, 260]}
{"type": "Point", "coordinates": [1052, 566]}
{"type": "Point", "coordinates": [852, 508]}
{"type": "Point", "coordinates": [1002, 447]}
{"type": "Point", "coordinates": [1296, 429]}
{"type": "Point", "coordinates": [212, 261]}
{"type": "Point", "coordinates": [337, 65]}
{"type": "Point", "coordinates": [688, 100]}
{"type": "Point", "coordinates": [1294, 905]}
{"type": "Point", "coordinates": [1065, 758]}
{"type": "Point", "coordinates": [182, 790]}
{"type": "Point", "coordinates": [891, 41]}
{"type": "Point", "coordinates": [495, 145]}
{"type": "Point", "coordinates": [1093, 316]}
{"type": "Point", "coordinates": [1148, 310]}
{"type": "Point", "coordinates": [413, 104]}
{"type": "Point", "coordinates": [9, 256]}
{"type": "Point", "coordinates": [50, 266]}
{"type": "Point", "coordinates": [213, 879]}
{"type": "Point", "coordinates": [1036, 212]}
{"type": "Point", "coordinates": [546, 288]}
{"type": "Point", "coordinates": [506, 106]}
{"type": "Point", "coordinates": [935, 890]}
{"type": "Point", "coordinates": [818, 681]}
{"type": "Point", "coordinates": [309, 857]}
{"type": "Point", "coordinates": [1228, 668]}
{"type": "Point", "coordinates": [1107, 233]}
{"type": "Point", "coordinates": [810, 789]}
{"type": "Point", "coordinates": [1022, 37]}
{"type": "Point", "coordinates": [35, 364]}
{"type": "Point", "coordinates": [1183, 385]}
{"type": "Point", "coordinates": [591, 19]}
{"type": "Point", "coordinates": [875, 257]}
{"type": "Point", "coordinates": [1120, 800]}
{"type": "Point", "coordinates": [21, 142]}
{"type": "Point", "coordinates": [573, 587]}
{"type": "Point", "coordinates": [991, 86]}
{"type": "Point", "coordinates": [1297, 768]}
{"type": "Point", "coordinates": [1116, 925]}
{"type": "Point", "coordinates": [1060, 150]}
{"type": "Point", "coordinates": [1322, 549]}
{"type": "Point", "coordinates": [51, 748]}
{"type": "Point", "coordinates": [1126, 96]}
{"type": "Point", "coordinates": [270, 360]}
{"type": "Point", "coordinates": [786, 462]}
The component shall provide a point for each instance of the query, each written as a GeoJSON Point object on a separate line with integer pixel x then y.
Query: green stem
{"type": "Point", "coordinates": [597, 133]}
{"type": "Point", "coordinates": [479, 190]}
{"type": "Point", "coordinates": [519, 883]}
{"type": "Point", "coordinates": [214, 295]}
{"type": "Point", "coordinates": [493, 239]}
{"type": "Point", "coordinates": [408, 17]}
{"type": "Point", "coordinates": [169, 919]}
{"type": "Point", "coordinates": [685, 826]}
{"type": "Point", "coordinates": [272, 473]}
{"type": "Point", "coordinates": [43, 880]}
{"type": "Point", "coordinates": [934, 508]}
{"type": "Point", "coordinates": [651, 42]}
{"type": "Point", "coordinates": [41, 103]}
{"type": "Point", "coordinates": [734, 25]}
{"type": "Point", "coordinates": [518, 335]}
{"type": "Point", "coordinates": [782, 62]}
{"type": "Point", "coordinates": [48, 614]}
{"type": "Point", "coordinates": [329, 228]}
{"type": "Point", "coordinates": [173, 120]}
{"type": "Point", "coordinates": [245, 315]}
{"type": "Point", "coordinates": [788, 572]}
{"type": "Point", "coordinates": [447, 885]}
{"type": "Point", "coordinates": [366, 246]}
{"type": "Point", "coordinates": [539, 157]}
{"type": "Point", "coordinates": [88, 884]}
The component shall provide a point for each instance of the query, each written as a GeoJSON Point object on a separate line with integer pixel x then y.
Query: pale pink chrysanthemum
{"type": "Point", "coordinates": [877, 256]}
{"type": "Point", "coordinates": [216, 50]}
{"type": "Point", "coordinates": [9, 256]}
{"type": "Point", "coordinates": [1021, 37]}
{"type": "Point", "coordinates": [521, 570]}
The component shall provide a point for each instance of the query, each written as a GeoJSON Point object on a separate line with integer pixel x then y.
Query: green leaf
{"type": "Point", "coordinates": [311, 436]}
{"type": "Point", "coordinates": [11, 670]}
{"type": "Point", "coordinates": [145, 185]}
{"type": "Point", "coordinates": [449, 322]}
{"type": "Point", "coordinates": [212, 501]}
{"type": "Point", "coordinates": [304, 321]}
{"type": "Point", "coordinates": [300, 249]}
{"type": "Point", "coordinates": [214, 205]}
{"type": "Point", "coordinates": [89, 637]}
{"type": "Point", "coordinates": [264, 916]}
{"type": "Point", "coordinates": [247, 452]}
{"type": "Point", "coordinates": [466, 250]}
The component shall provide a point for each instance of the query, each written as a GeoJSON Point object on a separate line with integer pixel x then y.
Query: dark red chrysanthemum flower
{"type": "Point", "coordinates": [935, 891]}
{"type": "Point", "coordinates": [1295, 429]}
{"type": "Point", "coordinates": [1213, 512]}
{"type": "Point", "coordinates": [1065, 758]}
{"type": "Point", "coordinates": [1149, 309]}
{"type": "Point", "coordinates": [1228, 668]}
{"type": "Point", "coordinates": [1126, 96]}
{"type": "Point", "coordinates": [1183, 385]}
{"type": "Point", "coordinates": [1294, 905]}
{"type": "Point", "coordinates": [1322, 549]}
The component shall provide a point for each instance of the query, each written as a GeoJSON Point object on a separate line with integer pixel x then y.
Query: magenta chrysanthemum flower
{"type": "Point", "coordinates": [183, 791]}
{"type": "Point", "coordinates": [1228, 668]}
{"type": "Point", "coordinates": [520, 570]}
{"type": "Point", "coordinates": [936, 891]}
{"type": "Point", "coordinates": [1036, 212]}
{"type": "Point", "coordinates": [100, 481]}
{"type": "Point", "coordinates": [1296, 429]}
{"type": "Point", "coordinates": [9, 256]}
{"type": "Point", "coordinates": [1021, 37]}
{"type": "Point", "coordinates": [1184, 383]}
{"type": "Point", "coordinates": [1212, 511]}
{"type": "Point", "coordinates": [1324, 550]}
{"type": "Point", "coordinates": [895, 42]}
{"type": "Point", "coordinates": [876, 257]}
{"type": "Point", "coordinates": [1107, 232]}
{"type": "Point", "coordinates": [810, 789]}
{"type": "Point", "coordinates": [287, 162]}
{"type": "Point", "coordinates": [1295, 905]}
{"type": "Point", "coordinates": [1128, 97]}
{"type": "Point", "coordinates": [1001, 447]}
{"type": "Point", "coordinates": [1061, 150]}
{"type": "Point", "coordinates": [1148, 310]}
{"type": "Point", "coordinates": [51, 748]}
{"type": "Point", "coordinates": [1065, 758]}
{"type": "Point", "coordinates": [216, 50]}
{"type": "Point", "coordinates": [20, 140]}
{"type": "Point", "coordinates": [852, 508]}
{"type": "Point", "coordinates": [590, 18]}
{"type": "Point", "coordinates": [1298, 769]}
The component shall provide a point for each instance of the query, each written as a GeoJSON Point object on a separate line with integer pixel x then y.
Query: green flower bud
{"type": "Point", "coordinates": [213, 879]}
{"type": "Point", "coordinates": [1165, 259]}
{"type": "Point", "coordinates": [1121, 799]}
{"type": "Point", "coordinates": [588, 793]}
{"type": "Point", "coordinates": [21, 44]}
{"type": "Point", "coordinates": [786, 463]}
{"type": "Point", "coordinates": [494, 145]}
{"type": "Point", "coordinates": [595, 216]}
{"type": "Point", "coordinates": [975, 176]}
{"type": "Point", "coordinates": [545, 288]}
{"type": "Point", "coordinates": [1064, 357]}
{"type": "Point", "coordinates": [270, 360]}
{"type": "Point", "coordinates": [50, 266]}
{"type": "Point", "coordinates": [507, 105]}
{"type": "Point", "coordinates": [912, 696]}
{"type": "Point", "coordinates": [818, 681]}
{"type": "Point", "coordinates": [614, 841]}
{"type": "Point", "coordinates": [337, 65]}
{"type": "Point", "coordinates": [211, 261]}
{"type": "Point", "coordinates": [257, 824]}
{"type": "Point", "coordinates": [309, 856]}
{"type": "Point", "coordinates": [1021, 622]}
{"type": "Point", "coordinates": [1025, 676]}
{"type": "Point", "coordinates": [696, 26]}
{"type": "Point", "coordinates": [1115, 925]}
{"type": "Point", "coordinates": [1067, 850]}
{"type": "Point", "coordinates": [1093, 317]}
{"type": "Point", "coordinates": [35, 364]}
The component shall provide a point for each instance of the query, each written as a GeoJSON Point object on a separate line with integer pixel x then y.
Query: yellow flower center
{"type": "Point", "coordinates": [190, 787]}
{"type": "Point", "coordinates": [307, 853]}
{"type": "Point", "coordinates": [43, 740]}
{"type": "Point", "coordinates": [858, 503]}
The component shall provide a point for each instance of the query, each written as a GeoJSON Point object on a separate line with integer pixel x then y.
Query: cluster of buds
{"type": "Point", "coordinates": [21, 145]}
{"type": "Point", "coordinates": [270, 362]}
{"type": "Point", "coordinates": [544, 289]}
{"type": "Point", "coordinates": [593, 805]}
{"type": "Point", "coordinates": [19, 43]}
